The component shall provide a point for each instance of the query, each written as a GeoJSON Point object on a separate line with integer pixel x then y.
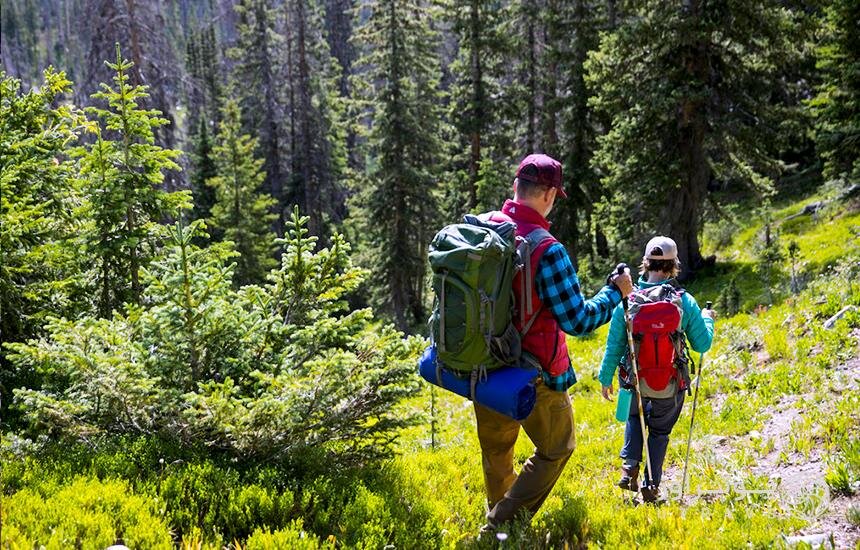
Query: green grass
{"type": "Point", "coordinates": [823, 239]}
{"type": "Point", "coordinates": [434, 496]}
{"type": "Point", "coordinates": [757, 360]}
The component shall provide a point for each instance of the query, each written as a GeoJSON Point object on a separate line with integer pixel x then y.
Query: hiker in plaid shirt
{"type": "Point", "coordinates": [558, 309]}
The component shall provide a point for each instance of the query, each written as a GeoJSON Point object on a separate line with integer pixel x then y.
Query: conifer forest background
{"type": "Point", "coordinates": [215, 221]}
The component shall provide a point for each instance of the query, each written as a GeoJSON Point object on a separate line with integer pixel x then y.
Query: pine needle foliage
{"type": "Point", "coordinates": [122, 173]}
{"type": "Point", "coordinates": [242, 213]}
{"type": "Point", "coordinates": [837, 104]}
{"type": "Point", "coordinates": [396, 205]}
{"type": "Point", "coordinates": [695, 95]}
{"type": "Point", "coordinates": [272, 372]}
{"type": "Point", "coordinates": [40, 270]}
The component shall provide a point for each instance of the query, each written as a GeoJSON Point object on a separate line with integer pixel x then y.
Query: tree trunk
{"type": "Point", "coordinates": [272, 154]}
{"type": "Point", "coordinates": [551, 107]}
{"type": "Point", "coordinates": [310, 183]}
{"type": "Point", "coordinates": [296, 191]}
{"type": "Point", "coordinates": [477, 103]}
{"type": "Point", "coordinates": [683, 211]}
{"type": "Point", "coordinates": [611, 14]}
{"type": "Point", "coordinates": [531, 100]}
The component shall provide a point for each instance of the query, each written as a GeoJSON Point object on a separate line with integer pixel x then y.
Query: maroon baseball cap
{"type": "Point", "coordinates": [541, 169]}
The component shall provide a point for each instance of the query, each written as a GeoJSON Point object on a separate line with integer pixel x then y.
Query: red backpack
{"type": "Point", "coordinates": [659, 343]}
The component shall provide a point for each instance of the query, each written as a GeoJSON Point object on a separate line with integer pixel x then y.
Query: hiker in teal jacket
{"type": "Point", "coordinates": [662, 405]}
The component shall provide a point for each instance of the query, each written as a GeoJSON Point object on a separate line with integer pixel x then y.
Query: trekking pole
{"type": "Point", "coordinates": [634, 363]}
{"type": "Point", "coordinates": [693, 417]}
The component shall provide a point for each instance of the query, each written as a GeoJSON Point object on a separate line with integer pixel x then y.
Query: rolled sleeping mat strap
{"type": "Point", "coordinates": [509, 391]}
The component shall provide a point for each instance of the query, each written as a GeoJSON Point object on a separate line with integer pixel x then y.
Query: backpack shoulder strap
{"type": "Point", "coordinates": [528, 244]}
{"type": "Point", "coordinates": [673, 282]}
{"type": "Point", "coordinates": [536, 237]}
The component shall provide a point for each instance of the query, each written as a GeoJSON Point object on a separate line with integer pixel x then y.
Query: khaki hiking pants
{"type": "Point", "coordinates": [550, 427]}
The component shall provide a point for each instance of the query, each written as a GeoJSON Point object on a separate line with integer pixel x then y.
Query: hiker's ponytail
{"type": "Point", "coordinates": [664, 266]}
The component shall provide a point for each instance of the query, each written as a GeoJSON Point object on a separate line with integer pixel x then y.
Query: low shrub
{"type": "Point", "coordinates": [87, 513]}
{"type": "Point", "coordinates": [293, 537]}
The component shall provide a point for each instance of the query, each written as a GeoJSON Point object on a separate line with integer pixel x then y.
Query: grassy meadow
{"type": "Point", "coordinates": [775, 452]}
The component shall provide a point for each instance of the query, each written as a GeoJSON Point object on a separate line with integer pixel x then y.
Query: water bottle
{"type": "Point", "coordinates": [622, 410]}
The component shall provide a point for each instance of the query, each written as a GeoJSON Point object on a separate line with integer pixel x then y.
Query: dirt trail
{"type": "Point", "coordinates": [797, 477]}
{"type": "Point", "coordinates": [801, 477]}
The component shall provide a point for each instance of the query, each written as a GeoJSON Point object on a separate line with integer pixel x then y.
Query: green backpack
{"type": "Point", "coordinates": [473, 265]}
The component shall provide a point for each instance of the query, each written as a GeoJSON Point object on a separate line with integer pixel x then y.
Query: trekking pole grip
{"type": "Point", "coordinates": [709, 304]}
{"type": "Point", "coordinates": [619, 270]}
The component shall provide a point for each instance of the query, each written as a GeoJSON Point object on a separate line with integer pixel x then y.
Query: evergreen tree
{"type": "Point", "coordinates": [204, 64]}
{"type": "Point", "coordinates": [838, 101]}
{"type": "Point", "coordinates": [482, 107]}
{"type": "Point", "coordinates": [203, 168]}
{"type": "Point", "coordinates": [242, 213]}
{"type": "Point", "coordinates": [339, 29]}
{"type": "Point", "coordinates": [317, 131]}
{"type": "Point", "coordinates": [556, 38]}
{"type": "Point", "coordinates": [41, 269]}
{"type": "Point", "coordinates": [204, 94]}
{"type": "Point", "coordinates": [20, 40]}
{"type": "Point", "coordinates": [397, 203]}
{"type": "Point", "coordinates": [268, 373]}
{"type": "Point", "coordinates": [143, 30]}
{"type": "Point", "coordinates": [259, 74]}
{"type": "Point", "coordinates": [575, 217]}
{"type": "Point", "coordinates": [690, 87]}
{"type": "Point", "coordinates": [122, 180]}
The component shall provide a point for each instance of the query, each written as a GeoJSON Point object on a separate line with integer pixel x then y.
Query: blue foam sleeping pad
{"type": "Point", "coordinates": [509, 390]}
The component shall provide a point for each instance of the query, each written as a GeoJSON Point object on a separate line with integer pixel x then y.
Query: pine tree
{"type": "Point", "coordinates": [690, 89]}
{"type": "Point", "coordinates": [203, 168]}
{"type": "Point", "coordinates": [397, 202]}
{"type": "Point", "coordinates": [339, 30]}
{"type": "Point", "coordinates": [205, 91]}
{"type": "Point", "coordinates": [204, 64]}
{"type": "Point", "coordinates": [273, 373]}
{"type": "Point", "coordinates": [837, 104]}
{"type": "Point", "coordinates": [482, 106]}
{"type": "Point", "coordinates": [556, 38]}
{"type": "Point", "coordinates": [242, 213]}
{"type": "Point", "coordinates": [317, 133]}
{"type": "Point", "coordinates": [143, 30]}
{"type": "Point", "coordinates": [122, 180]}
{"type": "Point", "coordinates": [41, 269]}
{"type": "Point", "coordinates": [261, 83]}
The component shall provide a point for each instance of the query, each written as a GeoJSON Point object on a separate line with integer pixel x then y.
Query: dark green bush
{"type": "Point", "coordinates": [219, 502]}
{"type": "Point", "coordinates": [262, 373]}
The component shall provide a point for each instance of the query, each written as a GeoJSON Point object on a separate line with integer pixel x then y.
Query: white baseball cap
{"type": "Point", "coordinates": [661, 248]}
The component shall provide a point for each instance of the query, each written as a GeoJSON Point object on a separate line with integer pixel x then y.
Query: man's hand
{"type": "Point", "coordinates": [607, 392]}
{"type": "Point", "coordinates": [622, 282]}
{"type": "Point", "coordinates": [709, 313]}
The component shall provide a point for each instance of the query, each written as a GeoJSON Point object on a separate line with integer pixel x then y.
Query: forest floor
{"type": "Point", "coordinates": [795, 475]}
{"type": "Point", "coordinates": [777, 416]}
{"type": "Point", "coordinates": [775, 459]}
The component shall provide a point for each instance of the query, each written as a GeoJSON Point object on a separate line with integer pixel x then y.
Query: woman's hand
{"type": "Point", "coordinates": [607, 392]}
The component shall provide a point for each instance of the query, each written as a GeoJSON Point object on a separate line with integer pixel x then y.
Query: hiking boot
{"type": "Point", "coordinates": [487, 532]}
{"type": "Point", "coordinates": [629, 478]}
{"type": "Point", "coordinates": [651, 494]}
